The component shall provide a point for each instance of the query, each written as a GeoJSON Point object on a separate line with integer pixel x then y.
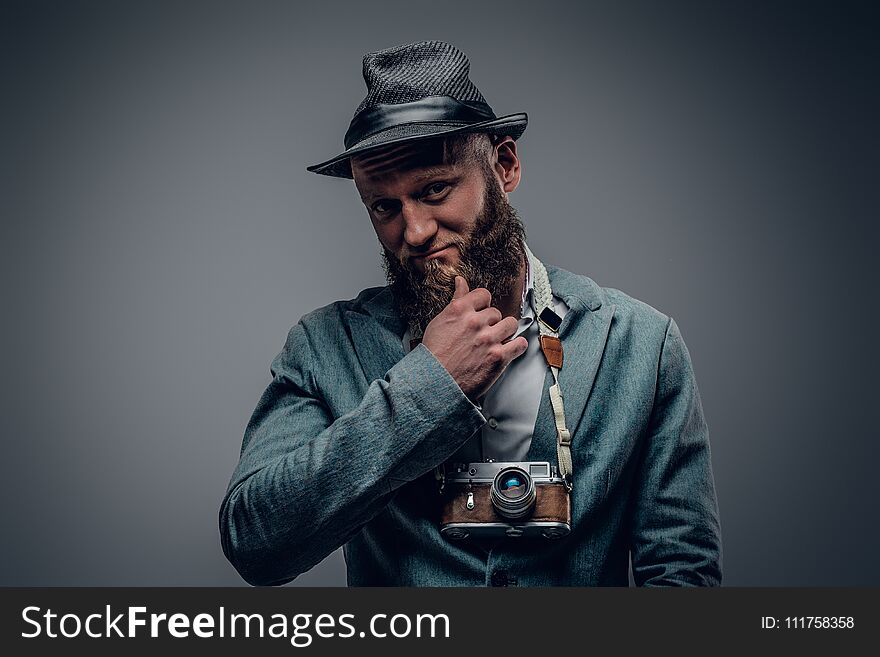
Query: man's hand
{"type": "Point", "coordinates": [467, 337]}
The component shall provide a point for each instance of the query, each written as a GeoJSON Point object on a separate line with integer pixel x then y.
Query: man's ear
{"type": "Point", "coordinates": [506, 163]}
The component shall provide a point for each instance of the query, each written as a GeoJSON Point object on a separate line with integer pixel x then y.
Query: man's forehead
{"type": "Point", "coordinates": [427, 155]}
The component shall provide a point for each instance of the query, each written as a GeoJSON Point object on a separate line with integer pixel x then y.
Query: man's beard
{"type": "Point", "coordinates": [490, 257]}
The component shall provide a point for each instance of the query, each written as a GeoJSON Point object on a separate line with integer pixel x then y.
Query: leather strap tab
{"type": "Point", "coordinates": [552, 348]}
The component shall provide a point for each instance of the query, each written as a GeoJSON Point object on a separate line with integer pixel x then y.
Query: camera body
{"type": "Point", "coordinates": [504, 499]}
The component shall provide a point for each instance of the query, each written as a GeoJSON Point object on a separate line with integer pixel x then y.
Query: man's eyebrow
{"type": "Point", "coordinates": [426, 174]}
{"type": "Point", "coordinates": [433, 172]}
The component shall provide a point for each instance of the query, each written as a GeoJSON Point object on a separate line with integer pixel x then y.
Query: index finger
{"type": "Point", "coordinates": [479, 297]}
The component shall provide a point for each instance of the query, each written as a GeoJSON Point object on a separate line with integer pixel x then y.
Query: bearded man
{"type": "Point", "coordinates": [386, 411]}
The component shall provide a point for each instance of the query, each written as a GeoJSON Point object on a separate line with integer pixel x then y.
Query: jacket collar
{"type": "Point", "coordinates": [584, 333]}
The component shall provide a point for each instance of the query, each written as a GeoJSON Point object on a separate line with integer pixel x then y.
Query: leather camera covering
{"type": "Point", "coordinates": [552, 504]}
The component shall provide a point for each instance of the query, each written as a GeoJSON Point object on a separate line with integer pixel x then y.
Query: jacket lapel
{"type": "Point", "coordinates": [377, 335]}
{"type": "Point", "coordinates": [584, 332]}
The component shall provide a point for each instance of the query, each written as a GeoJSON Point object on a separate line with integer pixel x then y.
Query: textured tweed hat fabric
{"type": "Point", "coordinates": [417, 91]}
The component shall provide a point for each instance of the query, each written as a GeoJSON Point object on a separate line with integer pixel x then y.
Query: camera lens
{"type": "Point", "coordinates": [513, 492]}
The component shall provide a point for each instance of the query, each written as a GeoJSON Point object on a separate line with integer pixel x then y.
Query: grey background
{"type": "Point", "coordinates": [161, 234]}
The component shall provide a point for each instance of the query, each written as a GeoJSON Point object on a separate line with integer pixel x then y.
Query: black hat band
{"type": "Point", "coordinates": [428, 109]}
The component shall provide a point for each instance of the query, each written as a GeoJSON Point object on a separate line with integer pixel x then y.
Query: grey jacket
{"type": "Point", "coordinates": [341, 446]}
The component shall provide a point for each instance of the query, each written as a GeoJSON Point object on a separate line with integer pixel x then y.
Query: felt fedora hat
{"type": "Point", "coordinates": [417, 91]}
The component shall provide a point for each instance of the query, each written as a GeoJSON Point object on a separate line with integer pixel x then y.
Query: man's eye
{"type": "Point", "coordinates": [436, 188]}
{"type": "Point", "coordinates": [381, 207]}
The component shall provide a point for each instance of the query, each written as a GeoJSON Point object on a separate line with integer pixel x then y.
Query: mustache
{"type": "Point", "coordinates": [407, 258]}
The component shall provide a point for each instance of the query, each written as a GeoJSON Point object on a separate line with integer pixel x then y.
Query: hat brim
{"type": "Point", "coordinates": [340, 166]}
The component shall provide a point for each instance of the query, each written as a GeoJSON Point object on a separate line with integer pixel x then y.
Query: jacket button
{"type": "Point", "coordinates": [493, 423]}
{"type": "Point", "coordinates": [501, 578]}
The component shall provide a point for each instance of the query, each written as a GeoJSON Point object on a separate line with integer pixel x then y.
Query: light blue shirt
{"type": "Point", "coordinates": [511, 405]}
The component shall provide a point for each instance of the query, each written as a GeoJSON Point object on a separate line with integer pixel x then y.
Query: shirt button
{"type": "Point", "coordinates": [493, 423]}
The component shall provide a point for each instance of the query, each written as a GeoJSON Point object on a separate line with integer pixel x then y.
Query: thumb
{"type": "Point", "coordinates": [461, 287]}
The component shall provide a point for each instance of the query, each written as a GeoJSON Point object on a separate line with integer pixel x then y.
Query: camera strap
{"type": "Point", "coordinates": [551, 346]}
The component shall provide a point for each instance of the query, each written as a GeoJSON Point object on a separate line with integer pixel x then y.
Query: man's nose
{"type": "Point", "coordinates": [419, 223]}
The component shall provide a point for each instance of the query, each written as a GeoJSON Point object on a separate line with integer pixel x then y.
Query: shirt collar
{"type": "Point", "coordinates": [525, 303]}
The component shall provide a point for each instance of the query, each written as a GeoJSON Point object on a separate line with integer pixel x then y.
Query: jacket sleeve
{"type": "Point", "coordinates": [307, 482]}
{"type": "Point", "coordinates": [676, 534]}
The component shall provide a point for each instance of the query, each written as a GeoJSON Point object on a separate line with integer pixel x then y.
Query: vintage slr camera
{"type": "Point", "coordinates": [504, 499]}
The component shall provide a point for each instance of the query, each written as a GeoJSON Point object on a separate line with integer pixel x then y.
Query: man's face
{"type": "Point", "coordinates": [436, 220]}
